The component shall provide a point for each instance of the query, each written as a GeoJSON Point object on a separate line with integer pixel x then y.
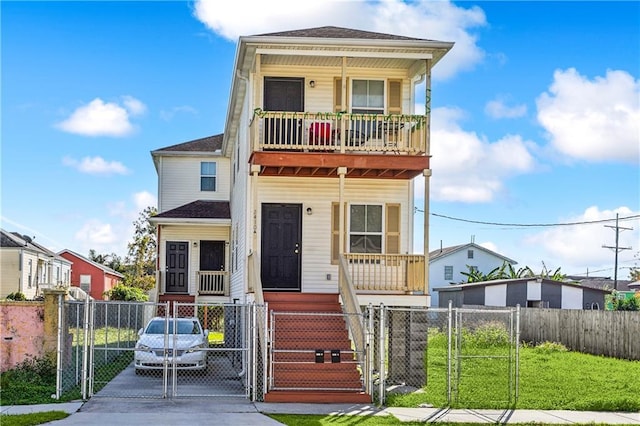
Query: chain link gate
{"type": "Point", "coordinates": [103, 351]}
{"type": "Point", "coordinates": [452, 353]}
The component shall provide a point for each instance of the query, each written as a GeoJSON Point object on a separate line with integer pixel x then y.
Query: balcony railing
{"type": "Point", "coordinates": [387, 273]}
{"type": "Point", "coordinates": [213, 283]}
{"type": "Point", "coordinates": [339, 132]}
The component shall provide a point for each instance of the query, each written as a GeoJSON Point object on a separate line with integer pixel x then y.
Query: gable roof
{"type": "Point", "coordinates": [16, 240]}
{"type": "Point", "coordinates": [210, 145]}
{"type": "Point", "coordinates": [338, 32]}
{"type": "Point", "coordinates": [447, 251]}
{"type": "Point", "coordinates": [207, 144]}
{"type": "Point", "coordinates": [100, 266]}
{"type": "Point", "coordinates": [200, 209]}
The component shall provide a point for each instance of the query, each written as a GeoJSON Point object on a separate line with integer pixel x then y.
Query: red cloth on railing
{"type": "Point", "coordinates": [319, 133]}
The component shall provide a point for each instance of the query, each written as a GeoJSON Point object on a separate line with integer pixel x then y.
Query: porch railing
{"type": "Point", "coordinates": [386, 273]}
{"type": "Point", "coordinates": [213, 283]}
{"type": "Point", "coordinates": [339, 132]}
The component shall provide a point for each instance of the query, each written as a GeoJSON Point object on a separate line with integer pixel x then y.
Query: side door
{"type": "Point", "coordinates": [283, 94]}
{"type": "Point", "coordinates": [281, 247]}
{"type": "Point", "coordinates": [177, 267]}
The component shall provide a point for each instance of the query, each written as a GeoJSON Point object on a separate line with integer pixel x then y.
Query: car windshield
{"type": "Point", "coordinates": [184, 327]}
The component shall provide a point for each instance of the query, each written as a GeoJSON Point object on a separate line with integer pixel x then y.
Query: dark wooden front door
{"type": "Point", "coordinates": [177, 270]}
{"type": "Point", "coordinates": [283, 94]}
{"type": "Point", "coordinates": [212, 255]}
{"type": "Point", "coordinates": [281, 247]}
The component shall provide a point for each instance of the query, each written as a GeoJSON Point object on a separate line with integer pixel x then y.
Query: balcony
{"type": "Point", "coordinates": [386, 273]}
{"type": "Point", "coordinates": [316, 144]}
{"type": "Point", "coordinates": [209, 283]}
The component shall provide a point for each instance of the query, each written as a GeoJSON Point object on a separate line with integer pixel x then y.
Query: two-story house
{"type": "Point", "coordinates": [306, 201]}
{"type": "Point", "coordinates": [28, 267]}
{"type": "Point", "coordinates": [448, 263]}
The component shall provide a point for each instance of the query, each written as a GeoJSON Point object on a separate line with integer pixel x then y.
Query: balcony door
{"type": "Point", "coordinates": [281, 251]}
{"type": "Point", "coordinates": [212, 255]}
{"type": "Point", "coordinates": [283, 94]}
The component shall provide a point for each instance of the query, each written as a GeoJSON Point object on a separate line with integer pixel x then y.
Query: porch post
{"type": "Point", "coordinates": [255, 169]}
{"type": "Point", "coordinates": [343, 106]}
{"type": "Point", "coordinates": [427, 173]}
{"type": "Point", "coordinates": [342, 172]}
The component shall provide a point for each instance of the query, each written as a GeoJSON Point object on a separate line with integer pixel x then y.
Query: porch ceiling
{"type": "Point", "coordinates": [326, 165]}
{"type": "Point", "coordinates": [334, 61]}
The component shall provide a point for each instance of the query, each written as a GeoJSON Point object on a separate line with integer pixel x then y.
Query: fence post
{"type": "Point", "coordinates": [381, 350]}
{"type": "Point", "coordinates": [517, 350]}
{"type": "Point", "coordinates": [449, 354]}
{"type": "Point", "coordinates": [85, 350]}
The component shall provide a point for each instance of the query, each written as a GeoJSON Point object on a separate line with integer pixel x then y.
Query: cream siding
{"type": "Point", "coordinates": [192, 234]}
{"type": "Point", "coordinates": [10, 275]}
{"type": "Point", "coordinates": [180, 181]}
{"type": "Point", "coordinates": [320, 97]}
{"type": "Point", "coordinates": [318, 194]}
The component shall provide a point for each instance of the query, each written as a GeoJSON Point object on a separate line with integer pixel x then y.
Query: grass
{"type": "Point", "coordinates": [349, 420]}
{"type": "Point", "coordinates": [551, 378]}
{"type": "Point", "coordinates": [31, 419]}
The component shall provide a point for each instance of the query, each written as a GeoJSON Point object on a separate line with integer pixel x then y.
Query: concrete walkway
{"type": "Point", "coordinates": [239, 411]}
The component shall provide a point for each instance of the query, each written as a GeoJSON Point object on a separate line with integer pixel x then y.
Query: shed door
{"type": "Point", "coordinates": [281, 247]}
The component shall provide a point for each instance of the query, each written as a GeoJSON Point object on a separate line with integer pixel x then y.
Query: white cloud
{"type": "Point", "coordinates": [113, 235]}
{"type": "Point", "coordinates": [99, 118]}
{"type": "Point", "coordinates": [498, 108]}
{"type": "Point", "coordinates": [594, 120]}
{"type": "Point", "coordinates": [468, 168]}
{"type": "Point", "coordinates": [96, 166]}
{"type": "Point", "coordinates": [168, 115]}
{"type": "Point", "coordinates": [578, 247]}
{"type": "Point", "coordinates": [434, 20]}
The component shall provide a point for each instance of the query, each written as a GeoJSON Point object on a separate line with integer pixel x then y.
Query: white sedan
{"type": "Point", "coordinates": [185, 346]}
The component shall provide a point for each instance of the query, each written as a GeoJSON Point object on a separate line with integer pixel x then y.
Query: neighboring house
{"type": "Point", "coordinates": [605, 283]}
{"type": "Point", "coordinates": [29, 267]}
{"type": "Point", "coordinates": [526, 292]}
{"type": "Point", "coordinates": [309, 192]}
{"type": "Point", "coordinates": [447, 264]}
{"type": "Point", "coordinates": [92, 277]}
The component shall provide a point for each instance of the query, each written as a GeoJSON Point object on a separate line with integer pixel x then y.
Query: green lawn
{"type": "Point", "coordinates": [31, 419]}
{"type": "Point", "coordinates": [550, 378]}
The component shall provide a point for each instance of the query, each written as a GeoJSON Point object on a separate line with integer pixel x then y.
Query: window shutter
{"type": "Point", "coordinates": [335, 232]}
{"type": "Point", "coordinates": [337, 95]}
{"type": "Point", "coordinates": [394, 97]}
{"type": "Point", "coordinates": [392, 229]}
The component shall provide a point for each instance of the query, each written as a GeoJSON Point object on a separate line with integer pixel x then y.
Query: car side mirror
{"type": "Point", "coordinates": [140, 332]}
{"type": "Point", "coordinates": [206, 333]}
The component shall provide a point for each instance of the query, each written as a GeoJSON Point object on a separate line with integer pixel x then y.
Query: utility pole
{"type": "Point", "coordinates": [617, 249]}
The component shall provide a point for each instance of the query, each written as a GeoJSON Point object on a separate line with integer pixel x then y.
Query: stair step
{"type": "Point", "coordinates": [304, 334]}
{"type": "Point", "coordinates": [305, 307]}
{"type": "Point", "coordinates": [330, 379]}
{"type": "Point", "coordinates": [301, 297]}
{"type": "Point", "coordinates": [320, 397]}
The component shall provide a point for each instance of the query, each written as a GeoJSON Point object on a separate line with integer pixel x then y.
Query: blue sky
{"type": "Point", "coordinates": [535, 115]}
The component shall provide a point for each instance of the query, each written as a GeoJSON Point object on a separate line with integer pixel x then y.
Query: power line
{"type": "Point", "coordinates": [529, 225]}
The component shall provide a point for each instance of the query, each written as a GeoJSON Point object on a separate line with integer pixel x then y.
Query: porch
{"type": "Point", "coordinates": [290, 143]}
{"type": "Point", "coordinates": [207, 283]}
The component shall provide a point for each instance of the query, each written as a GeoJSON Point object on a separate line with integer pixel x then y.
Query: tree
{"type": "Point", "coordinates": [141, 256]}
{"type": "Point", "coordinates": [112, 260]}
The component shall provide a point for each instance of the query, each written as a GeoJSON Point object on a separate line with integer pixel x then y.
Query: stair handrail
{"type": "Point", "coordinates": [351, 309]}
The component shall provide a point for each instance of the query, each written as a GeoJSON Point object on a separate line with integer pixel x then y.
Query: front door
{"type": "Point", "coordinates": [283, 94]}
{"type": "Point", "coordinates": [212, 255]}
{"type": "Point", "coordinates": [177, 269]}
{"type": "Point", "coordinates": [281, 247]}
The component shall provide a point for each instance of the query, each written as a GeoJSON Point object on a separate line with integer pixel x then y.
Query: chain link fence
{"type": "Point", "coordinates": [444, 357]}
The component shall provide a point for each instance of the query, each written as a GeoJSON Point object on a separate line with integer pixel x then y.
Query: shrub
{"type": "Point", "coordinates": [487, 335]}
{"type": "Point", "coordinates": [127, 294]}
{"type": "Point", "coordinates": [31, 381]}
{"type": "Point", "coordinates": [550, 347]}
{"type": "Point", "coordinates": [19, 296]}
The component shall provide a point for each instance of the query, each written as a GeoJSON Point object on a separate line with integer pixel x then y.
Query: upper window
{"type": "Point", "coordinates": [469, 254]}
{"type": "Point", "coordinates": [368, 96]}
{"type": "Point", "coordinates": [207, 176]}
{"type": "Point", "coordinates": [448, 273]}
{"type": "Point", "coordinates": [365, 228]}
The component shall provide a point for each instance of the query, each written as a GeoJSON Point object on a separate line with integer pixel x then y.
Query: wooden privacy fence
{"type": "Point", "coordinates": [610, 333]}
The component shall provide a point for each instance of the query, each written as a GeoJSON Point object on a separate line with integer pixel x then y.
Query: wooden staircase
{"type": "Point", "coordinates": [306, 323]}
